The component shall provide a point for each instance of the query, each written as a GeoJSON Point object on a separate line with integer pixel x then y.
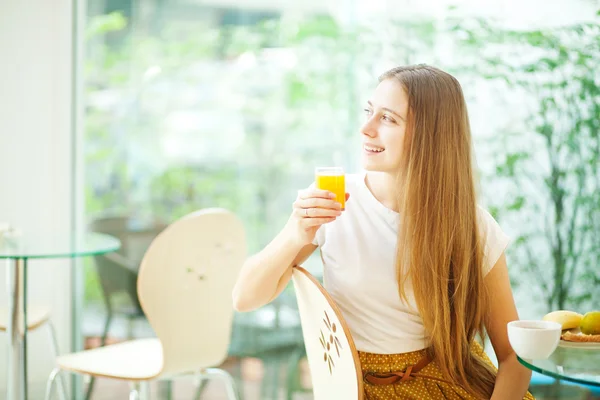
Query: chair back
{"type": "Point", "coordinates": [332, 357]}
{"type": "Point", "coordinates": [135, 236]}
{"type": "Point", "coordinates": [117, 272]}
{"type": "Point", "coordinates": [185, 282]}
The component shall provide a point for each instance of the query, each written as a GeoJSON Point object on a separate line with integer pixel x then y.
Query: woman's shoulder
{"type": "Point", "coordinates": [488, 226]}
{"type": "Point", "coordinates": [486, 219]}
{"type": "Point", "coordinates": [483, 214]}
{"type": "Point", "coordinates": [494, 239]}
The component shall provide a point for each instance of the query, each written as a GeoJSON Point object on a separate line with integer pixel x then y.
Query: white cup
{"type": "Point", "coordinates": [534, 340]}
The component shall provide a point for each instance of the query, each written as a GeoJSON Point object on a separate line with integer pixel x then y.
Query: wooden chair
{"type": "Point", "coordinates": [185, 282]}
{"type": "Point", "coordinates": [332, 357]}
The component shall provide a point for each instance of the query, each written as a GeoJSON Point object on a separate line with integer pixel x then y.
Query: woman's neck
{"type": "Point", "coordinates": [384, 187]}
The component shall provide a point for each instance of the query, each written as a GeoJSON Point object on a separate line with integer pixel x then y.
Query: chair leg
{"type": "Point", "coordinates": [62, 385]}
{"type": "Point", "coordinates": [201, 385]}
{"type": "Point", "coordinates": [134, 391]}
{"type": "Point", "coordinates": [109, 316]}
{"type": "Point", "coordinates": [230, 386]}
{"type": "Point", "coordinates": [50, 383]}
{"type": "Point", "coordinates": [293, 372]}
{"type": "Point", "coordinates": [237, 377]}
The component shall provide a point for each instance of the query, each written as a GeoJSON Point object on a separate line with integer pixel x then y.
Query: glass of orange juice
{"type": "Point", "coordinates": [333, 180]}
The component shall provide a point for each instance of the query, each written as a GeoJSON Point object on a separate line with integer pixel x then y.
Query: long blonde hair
{"type": "Point", "coordinates": [439, 248]}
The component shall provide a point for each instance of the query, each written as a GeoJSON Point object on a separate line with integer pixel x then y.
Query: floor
{"type": "Point", "coordinates": [251, 370]}
{"type": "Point", "coordinates": [252, 374]}
{"type": "Point", "coordinates": [186, 389]}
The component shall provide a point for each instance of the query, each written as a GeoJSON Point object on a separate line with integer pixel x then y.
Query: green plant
{"type": "Point", "coordinates": [277, 97]}
{"type": "Point", "coordinates": [258, 122]}
{"type": "Point", "coordinates": [550, 166]}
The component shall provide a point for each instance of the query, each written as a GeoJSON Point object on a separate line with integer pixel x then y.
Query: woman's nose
{"type": "Point", "coordinates": [369, 129]}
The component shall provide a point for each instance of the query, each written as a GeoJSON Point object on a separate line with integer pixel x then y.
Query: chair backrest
{"type": "Point", "coordinates": [134, 239]}
{"type": "Point", "coordinates": [184, 285]}
{"type": "Point", "coordinates": [118, 272]}
{"type": "Point", "coordinates": [114, 277]}
{"type": "Point", "coordinates": [332, 357]}
{"type": "Point", "coordinates": [114, 225]}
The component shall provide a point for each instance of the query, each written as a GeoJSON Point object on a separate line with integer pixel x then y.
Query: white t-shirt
{"type": "Point", "coordinates": [359, 251]}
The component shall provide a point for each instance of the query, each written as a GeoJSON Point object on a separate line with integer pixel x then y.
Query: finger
{"type": "Point", "coordinates": [309, 193]}
{"type": "Point", "coordinates": [347, 196]}
{"type": "Point", "coordinates": [316, 212]}
{"type": "Point", "coordinates": [316, 221]}
{"type": "Point", "coordinates": [315, 202]}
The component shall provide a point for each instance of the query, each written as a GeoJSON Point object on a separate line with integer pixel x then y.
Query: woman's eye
{"type": "Point", "coordinates": [367, 111]}
{"type": "Point", "coordinates": [388, 118]}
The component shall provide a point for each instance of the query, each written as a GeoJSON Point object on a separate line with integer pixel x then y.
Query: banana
{"type": "Point", "coordinates": [568, 319]}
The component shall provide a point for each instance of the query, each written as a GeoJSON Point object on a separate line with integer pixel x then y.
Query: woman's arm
{"type": "Point", "coordinates": [513, 378]}
{"type": "Point", "coordinates": [265, 275]}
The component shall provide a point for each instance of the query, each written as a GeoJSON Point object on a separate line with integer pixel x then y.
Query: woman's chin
{"type": "Point", "coordinates": [369, 165]}
{"type": "Point", "coordinates": [377, 167]}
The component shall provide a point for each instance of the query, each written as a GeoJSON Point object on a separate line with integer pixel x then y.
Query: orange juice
{"type": "Point", "coordinates": [333, 180]}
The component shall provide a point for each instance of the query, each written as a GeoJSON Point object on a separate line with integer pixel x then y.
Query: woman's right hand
{"type": "Point", "coordinates": [312, 208]}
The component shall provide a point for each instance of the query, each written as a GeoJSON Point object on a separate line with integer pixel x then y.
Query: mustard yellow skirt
{"type": "Point", "coordinates": [418, 388]}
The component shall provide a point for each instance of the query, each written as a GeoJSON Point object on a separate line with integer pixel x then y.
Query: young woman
{"type": "Point", "coordinates": [416, 267]}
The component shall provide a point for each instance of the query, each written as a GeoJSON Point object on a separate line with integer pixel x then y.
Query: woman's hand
{"type": "Point", "coordinates": [312, 208]}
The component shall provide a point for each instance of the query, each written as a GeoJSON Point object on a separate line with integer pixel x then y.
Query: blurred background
{"type": "Point", "coordinates": [124, 115]}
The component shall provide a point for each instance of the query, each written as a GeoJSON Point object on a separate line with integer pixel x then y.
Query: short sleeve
{"type": "Point", "coordinates": [319, 239]}
{"type": "Point", "coordinates": [494, 239]}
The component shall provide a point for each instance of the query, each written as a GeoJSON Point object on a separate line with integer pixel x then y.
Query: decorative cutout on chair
{"type": "Point", "coordinates": [200, 276]}
{"type": "Point", "coordinates": [329, 341]}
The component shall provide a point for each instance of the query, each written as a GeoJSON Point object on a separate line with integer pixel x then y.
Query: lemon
{"type": "Point", "coordinates": [590, 323]}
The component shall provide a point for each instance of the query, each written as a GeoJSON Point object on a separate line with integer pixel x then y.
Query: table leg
{"type": "Point", "coordinates": [16, 385]}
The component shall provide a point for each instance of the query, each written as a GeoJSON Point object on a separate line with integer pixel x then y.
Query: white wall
{"type": "Point", "coordinates": [35, 156]}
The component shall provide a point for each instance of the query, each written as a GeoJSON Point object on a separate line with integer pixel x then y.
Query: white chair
{"type": "Point", "coordinates": [332, 357]}
{"type": "Point", "coordinates": [185, 282]}
{"type": "Point", "coordinates": [37, 317]}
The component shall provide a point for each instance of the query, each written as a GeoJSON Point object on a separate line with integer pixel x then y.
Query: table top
{"type": "Point", "coordinates": [57, 245]}
{"type": "Point", "coordinates": [579, 363]}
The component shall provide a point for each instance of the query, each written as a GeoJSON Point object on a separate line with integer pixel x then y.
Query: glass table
{"type": "Point", "coordinates": [577, 363]}
{"type": "Point", "coordinates": [18, 250]}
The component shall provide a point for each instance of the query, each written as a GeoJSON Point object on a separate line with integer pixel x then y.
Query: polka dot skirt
{"type": "Point", "coordinates": [418, 388]}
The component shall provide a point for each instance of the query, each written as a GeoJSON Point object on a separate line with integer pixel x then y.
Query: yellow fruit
{"type": "Point", "coordinates": [568, 319]}
{"type": "Point", "coordinates": [590, 324]}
